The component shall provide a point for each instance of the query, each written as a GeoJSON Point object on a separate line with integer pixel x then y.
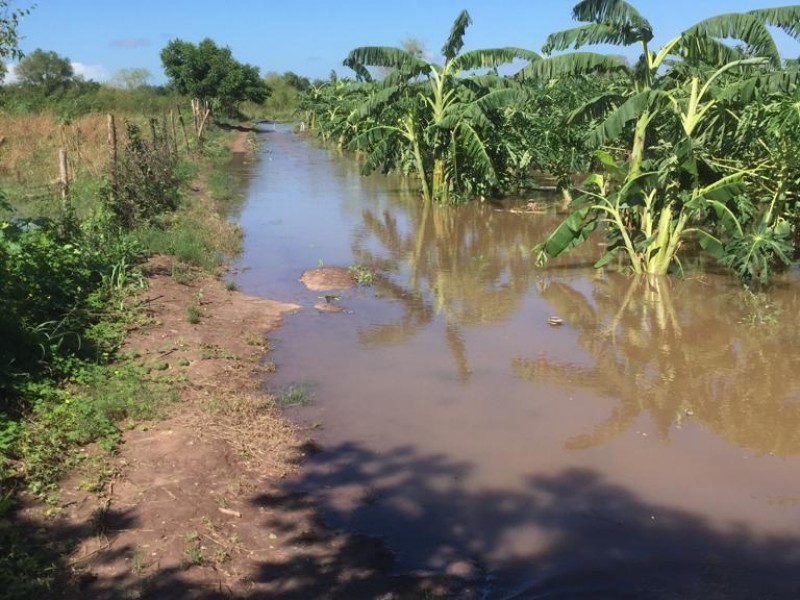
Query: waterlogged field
{"type": "Point", "coordinates": [647, 447]}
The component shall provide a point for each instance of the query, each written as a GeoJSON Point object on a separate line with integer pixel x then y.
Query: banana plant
{"type": "Point", "coordinates": [666, 186]}
{"type": "Point", "coordinates": [436, 114]}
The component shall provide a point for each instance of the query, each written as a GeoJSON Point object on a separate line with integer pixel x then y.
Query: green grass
{"type": "Point", "coordinates": [194, 314]}
{"type": "Point", "coordinates": [101, 402]}
{"type": "Point", "coordinates": [298, 394]}
{"type": "Point", "coordinates": [363, 276]}
{"type": "Point", "coordinates": [82, 394]}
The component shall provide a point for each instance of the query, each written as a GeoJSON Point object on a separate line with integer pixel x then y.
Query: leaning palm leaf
{"type": "Point", "coordinates": [498, 99]}
{"type": "Point", "coordinates": [614, 124]}
{"type": "Point", "coordinates": [490, 58]}
{"type": "Point", "coordinates": [574, 63]}
{"type": "Point", "coordinates": [740, 26]}
{"type": "Point", "coordinates": [786, 18]}
{"type": "Point", "coordinates": [376, 102]}
{"type": "Point", "coordinates": [475, 150]}
{"type": "Point", "coordinates": [597, 108]}
{"type": "Point", "coordinates": [455, 41]}
{"type": "Point", "coordinates": [572, 232]}
{"type": "Point", "coordinates": [593, 33]}
{"type": "Point", "coordinates": [695, 47]}
{"type": "Point", "coordinates": [616, 12]}
{"type": "Point", "coordinates": [385, 56]}
{"type": "Point", "coordinates": [761, 85]}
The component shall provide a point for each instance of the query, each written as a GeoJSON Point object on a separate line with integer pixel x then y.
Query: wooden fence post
{"type": "Point", "coordinates": [185, 135]}
{"type": "Point", "coordinates": [63, 179]}
{"type": "Point", "coordinates": [174, 132]}
{"type": "Point", "coordinates": [112, 156]}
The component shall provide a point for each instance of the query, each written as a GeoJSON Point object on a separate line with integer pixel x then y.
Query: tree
{"type": "Point", "coordinates": [210, 74]}
{"type": "Point", "coordinates": [285, 91]}
{"type": "Point", "coordinates": [45, 71]}
{"type": "Point", "coordinates": [131, 79]}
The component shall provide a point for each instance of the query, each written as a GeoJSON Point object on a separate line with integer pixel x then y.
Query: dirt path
{"type": "Point", "coordinates": [195, 507]}
{"type": "Point", "coordinates": [240, 145]}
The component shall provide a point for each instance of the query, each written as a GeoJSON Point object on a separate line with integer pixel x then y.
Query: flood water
{"type": "Point", "coordinates": [649, 447]}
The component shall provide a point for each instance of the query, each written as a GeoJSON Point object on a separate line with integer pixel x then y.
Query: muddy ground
{"type": "Point", "coordinates": [194, 504]}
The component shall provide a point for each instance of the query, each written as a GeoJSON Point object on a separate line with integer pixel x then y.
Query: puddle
{"type": "Point", "coordinates": [635, 450]}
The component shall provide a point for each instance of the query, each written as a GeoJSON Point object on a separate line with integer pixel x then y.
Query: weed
{"type": "Point", "coordinates": [138, 563]}
{"type": "Point", "coordinates": [195, 552]}
{"type": "Point", "coordinates": [270, 367]}
{"type": "Point", "coordinates": [231, 286]}
{"type": "Point", "coordinates": [209, 351]}
{"type": "Point", "coordinates": [193, 314]}
{"type": "Point", "coordinates": [301, 394]}
{"type": "Point", "coordinates": [221, 555]}
{"type": "Point", "coordinates": [758, 310]}
{"type": "Point", "coordinates": [258, 340]}
{"type": "Point", "coordinates": [363, 276]}
{"type": "Point", "coordinates": [183, 362]}
{"type": "Point", "coordinates": [182, 274]}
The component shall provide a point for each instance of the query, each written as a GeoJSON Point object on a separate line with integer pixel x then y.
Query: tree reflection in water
{"type": "Point", "coordinates": [473, 265]}
{"type": "Point", "coordinates": [677, 351]}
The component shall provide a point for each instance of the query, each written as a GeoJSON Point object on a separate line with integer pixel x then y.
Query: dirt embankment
{"type": "Point", "coordinates": [194, 505]}
{"type": "Point", "coordinates": [195, 508]}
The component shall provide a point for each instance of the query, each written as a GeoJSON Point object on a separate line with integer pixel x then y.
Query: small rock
{"type": "Point", "coordinates": [328, 307]}
{"type": "Point", "coordinates": [325, 279]}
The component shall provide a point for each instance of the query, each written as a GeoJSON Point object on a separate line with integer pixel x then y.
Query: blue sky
{"type": "Point", "coordinates": [311, 37]}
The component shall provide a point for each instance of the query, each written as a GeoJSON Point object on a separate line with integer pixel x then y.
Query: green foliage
{"type": "Point", "coordinates": [363, 275]}
{"type": "Point", "coordinates": [301, 394]}
{"type": "Point", "coordinates": [209, 73]}
{"type": "Point", "coordinates": [45, 72]}
{"type": "Point", "coordinates": [428, 119]}
{"type": "Point", "coordinates": [148, 182]}
{"type": "Point", "coordinates": [9, 36]}
{"type": "Point", "coordinates": [678, 123]}
{"type": "Point", "coordinates": [48, 283]}
{"type": "Point", "coordinates": [285, 90]}
{"type": "Point", "coordinates": [194, 314]}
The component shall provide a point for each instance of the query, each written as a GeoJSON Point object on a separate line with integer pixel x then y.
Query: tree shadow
{"type": "Point", "coordinates": [571, 534]}
{"type": "Point", "coordinates": [36, 554]}
{"type": "Point", "coordinates": [591, 537]}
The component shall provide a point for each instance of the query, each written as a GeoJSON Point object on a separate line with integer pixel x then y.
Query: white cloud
{"type": "Point", "coordinates": [11, 73]}
{"type": "Point", "coordinates": [94, 72]}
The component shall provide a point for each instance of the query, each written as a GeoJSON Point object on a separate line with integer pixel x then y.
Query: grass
{"type": "Point", "coordinates": [98, 406]}
{"type": "Point", "coordinates": [757, 308]}
{"type": "Point", "coordinates": [95, 399]}
{"type": "Point", "coordinates": [194, 314]}
{"type": "Point", "coordinates": [299, 394]}
{"type": "Point", "coordinates": [363, 276]}
{"type": "Point", "coordinates": [195, 551]}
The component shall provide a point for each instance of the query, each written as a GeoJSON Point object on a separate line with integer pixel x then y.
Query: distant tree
{"type": "Point", "coordinates": [211, 75]}
{"type": "Point", "coordinates": [131, 79]}
{"type": "Point", "coordinates": [284, 96]}
{"type": "Point", "coordinates": [46, 71]}
{"type": "Point", "coordinates": [296, 81]}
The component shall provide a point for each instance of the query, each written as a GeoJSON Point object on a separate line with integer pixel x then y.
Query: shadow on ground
{"type": "Point", "coordinates": [599, 540]}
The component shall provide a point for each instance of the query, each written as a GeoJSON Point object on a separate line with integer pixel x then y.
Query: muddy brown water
{"type": "Point", "coordinates": [649, 447]}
